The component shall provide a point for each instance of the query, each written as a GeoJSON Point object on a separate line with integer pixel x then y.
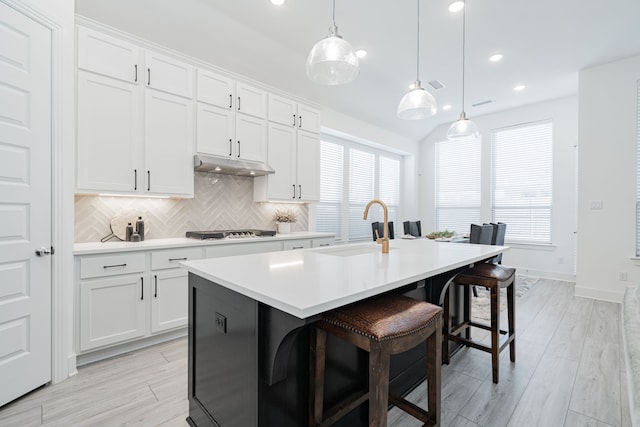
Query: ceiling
{"type": "Point", "coordinates": [545, 43]}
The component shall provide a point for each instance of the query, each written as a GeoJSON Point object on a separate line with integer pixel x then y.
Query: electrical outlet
{"type": "Point", "coordinates": [622, 276]}
{"type": "Point", "coordinates": [596, 205]}
{"type": "Point", "coordinates": [221, 323]}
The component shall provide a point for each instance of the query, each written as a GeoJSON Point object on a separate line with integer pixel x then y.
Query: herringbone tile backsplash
{"type": "Point", "coordinates": [221, 202]}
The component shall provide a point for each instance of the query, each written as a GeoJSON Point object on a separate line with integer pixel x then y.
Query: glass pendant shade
{"type": "Point", "coordinates": [463, 130]}
{"type": "Point", "coordinates": [417, 104]}
{"type": "Point", "coordinates": [332, 61]}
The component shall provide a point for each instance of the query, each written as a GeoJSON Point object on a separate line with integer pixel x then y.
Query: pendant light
{"type": "Point", "coordinates": [463, 129]}
{"type": "Point", "coordinates": [332, 60]}
{"type": "Point", "coordinates": [418, 103]}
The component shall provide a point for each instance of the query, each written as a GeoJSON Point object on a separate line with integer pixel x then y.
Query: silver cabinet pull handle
{"type": "Point", "coordinates": [238, 149]}
{"type": "Point", "coordinates": [294, 191]}
{"type": "Point", "coordinates": [43, 251]}
{"type": "Point", "coordinates": [230, 146]}
{"type": "Point", "coordinates": [294, 120]}
{"type": "Point", "coordinates": [142, 288]}
{"type": "Point", "coordinates": [135, 78]}
{"type": "Point", "coordinates": [148, 180]}
{"type": "Point", "coordinates": [155, 278]}
{"type": "Point", "coordinates": [300, 192]}
{"type": "Point", "coordinates": [230, 101]}
{"type": "Point", "coordinates": [299, 121]}
{"type": "Point", "coordinates": [238, 103]}
{"type": "Point", "coordinates": [298, 247]}
{"type": "Point", "coordinates": [325, 244]}
{"type": "Point", "coordinates": [135, 179]}
{"type": "Point", "coordinates": [148, 76]}
{"type": "Point", "coordinates": [178, 259]}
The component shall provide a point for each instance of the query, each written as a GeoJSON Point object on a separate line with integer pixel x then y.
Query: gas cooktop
{"type": "Point", "coordinates": [230, 234]}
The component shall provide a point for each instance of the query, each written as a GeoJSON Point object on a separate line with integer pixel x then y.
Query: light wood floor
{"type": "Point", "coordinates": [569, 372]}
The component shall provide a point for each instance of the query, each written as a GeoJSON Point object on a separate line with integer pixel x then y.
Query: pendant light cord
{"type": "Point", "coordinates": [464, 9]}
{"type": "Point", "coordinates": [418, 45]}
{"type": "Point", "coordinates": [334, 13]}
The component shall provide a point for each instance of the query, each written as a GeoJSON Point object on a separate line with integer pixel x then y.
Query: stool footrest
{"type": "Point", "coordinates": [462, 326]}
{"type": "Point", "coordinates": [411, 409]}
{"type": "Point", "coordinates": [477, 345]}
{"type": "Point", "coordinates": [344, 407]}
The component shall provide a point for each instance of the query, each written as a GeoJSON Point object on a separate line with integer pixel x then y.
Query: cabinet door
{"type": "Point", "coordinates": [251, 134]}
{"type": "Point", "coordinates": [308, 160]}
{"type": "Point", "coordinates": [282, 158]}
{"type": "Point", "coordinates": [308, 118]}
{"type": "Point", "coordinates": [251, 100]}
{"type": "Point", "coordinates": [112, 310]}
{"type": "Point", "coordinates": [215, 89]}
{"type": "Point", "coordinates": [215, 130]}
{"type": "Point", "coordinates": [282, 110]}
{"type": "Point", "coordinates": [108, 151]}
{"type": "Point", "coordinates": [108, 55]}
{"type": "Point", "coordinates": [168, 144]}
{"type": "Point", "coordinates": [167, 74]}
{"type": "Point", "coordinates": [169, 300]}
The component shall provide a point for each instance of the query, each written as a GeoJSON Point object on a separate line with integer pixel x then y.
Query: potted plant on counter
{"type": "Point", "coordinates": [284, 220]}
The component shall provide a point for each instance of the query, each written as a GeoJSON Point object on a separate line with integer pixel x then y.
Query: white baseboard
{"type": "Point", "coordinates": [599, 294]}
{"type": "Point", "coordinates": [72, 365]}
{"type": "Point", "coordinates": [554, 275]}
{"type": "Point", "coordinates": [105, 353]}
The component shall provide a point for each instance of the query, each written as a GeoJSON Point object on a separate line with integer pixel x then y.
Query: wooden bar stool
{"type": "Point", "coordinates": [493, 277]}
{"type": "Point", "coordinates": [381, 326]}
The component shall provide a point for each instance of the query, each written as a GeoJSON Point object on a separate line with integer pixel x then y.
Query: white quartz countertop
{"type": "Point", "coordinates": [179, 242]}
{"type": "Point", "coordinates": [310, 281]}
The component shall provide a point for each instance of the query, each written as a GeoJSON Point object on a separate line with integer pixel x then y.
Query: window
{"type": "Point", "coordinates": [522, 181]}
{"type": "Point", "coordinates": [457, 185]}
{"type": "Point", "coordinates": [638, 176]}
{"type": "Point", "coordinates": [351, 175]}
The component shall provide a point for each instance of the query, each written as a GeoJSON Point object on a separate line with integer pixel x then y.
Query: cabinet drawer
{"type": "Point", "coordinates": [243, 249]}
{"type": "Point", "coordinates": [296, 244]}
{"type": "Point", "coordinates": [171, 258]}
{"type": "Point", "coordinates": [323, 241]}
{"type": "Point", "coordinates": [111, 265]}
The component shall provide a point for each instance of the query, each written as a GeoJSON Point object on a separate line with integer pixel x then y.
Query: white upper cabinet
{"type": "Point", "coordinates": [215, 89]}
{"type": "Point", "coordinates": [251, 134]}
{"type": "Point", "coordinates": [251, 100]}
{"type": "Point", "coordinates": [108, 55]}
{"type": "Point", "coordinates": [308, 166]}
{"type": "Point", "coordinates": [168, 144]}
{"type": "Point", "coordinates": [215, 130]}
{"type": "Point", "coordinates": [167, 74]}
{"type": "Point", "coordinates": [289, 113]}
{"type": "Point", "coordinates": [109, 155]}
{"type": "Point", "coordinates": [135, 132]}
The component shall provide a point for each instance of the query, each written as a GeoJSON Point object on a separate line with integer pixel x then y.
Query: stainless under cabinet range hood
{"type": "Point", "coordinates": [228, 166]}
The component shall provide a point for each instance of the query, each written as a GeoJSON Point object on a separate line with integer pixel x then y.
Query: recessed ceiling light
{"type": "Point", "coordinates": [456, 6]}
{"type": "Point", "coordinates": [361, 53]}
{"type": "Point", "coordinates": [496, 57]}
{"type": "Point", "coordinates": [519, 88]}
{"type": "Point", "coordinates": [446, 107]}
{"type": "Point", "coordinates": [278, 2]}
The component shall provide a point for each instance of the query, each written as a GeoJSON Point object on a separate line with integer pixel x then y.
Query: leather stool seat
{"type": "Point", "coordinates": [493, 277]}
{"type": "Point", "coordinates": [381, 326]}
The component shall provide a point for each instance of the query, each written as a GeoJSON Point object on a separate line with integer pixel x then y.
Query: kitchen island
{"type": "Point", "coordinates": [249, 317]}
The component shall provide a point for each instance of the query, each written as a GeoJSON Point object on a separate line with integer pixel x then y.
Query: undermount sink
{"type": "Point", "coordinates": [353, 250]}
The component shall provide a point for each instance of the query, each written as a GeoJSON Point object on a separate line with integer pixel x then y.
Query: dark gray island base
{"type": "Point", "coordinates": [248, 362]}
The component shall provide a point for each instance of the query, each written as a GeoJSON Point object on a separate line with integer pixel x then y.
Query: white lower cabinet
{"type": "Point", "coordinates": [112, 310]}
{"type": "Point", "coordinates": [169, 300]}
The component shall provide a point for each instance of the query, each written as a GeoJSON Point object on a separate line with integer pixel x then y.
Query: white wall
{"type": "Point", "coordinates": [556, 260]}
{"type": "Point", "coordinates": [607, 158]}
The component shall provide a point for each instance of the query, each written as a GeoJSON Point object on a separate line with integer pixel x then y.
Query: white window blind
{"type": "Point", "coordinates": [351, 175]}
{"type": "Point", "coordinates": [457, 185]}
{"type": "Point", "coordinates": [522, 183]}
{"type": "Point", "coordinates": [329, 210]}
{"type": "Point", "coordinates": [361, 190]}
{"type": "Point", "coordinates": [638, 174]}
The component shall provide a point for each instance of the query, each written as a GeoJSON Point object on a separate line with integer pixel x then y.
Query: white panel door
{"type": "Point", "coordinates": [108, 141]}
{"type": "Point", "coordinates": [215, 131]}
{"type": "Point", "coordinates": [168, 144]}
{"type": "Point", "coordinates": [25, 204]}
{"type": "Point", "coordinates": [251, 100]}
{"type": "Point", "coordinates": [251, 134]}
{"type": "Point", "coordinates": [308, 118]}
{"type": "Point", "coordinates": [282, 158]}
{"type": "Point", "coordinates": [168, 74]}
{"type": "Point", "coordinates": [112, 310]}
{"type": "Point", "coordinates": [215, 89]}
{"type": "Point", "coordinates": [169, 300]}
{"type": "Point", "coordinates": [108, 55]}
{"type": "Point", "coordinates": [308, 166]}
{"type": "Point", "coordinates": [282, 110]}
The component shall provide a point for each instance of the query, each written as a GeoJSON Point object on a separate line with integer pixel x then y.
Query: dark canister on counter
{"type": "Point", "coordinates": [140, 228]}
{"type": "Point", "coordinates": [128, 232]}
